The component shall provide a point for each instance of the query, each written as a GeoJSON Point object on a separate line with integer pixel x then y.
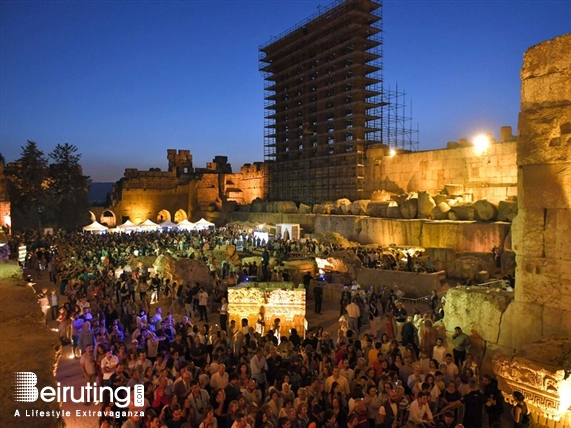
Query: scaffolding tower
{"type": "Point", "coordinates": [325, 104]}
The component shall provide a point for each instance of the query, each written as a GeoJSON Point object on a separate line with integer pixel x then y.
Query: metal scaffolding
{"type": "Point", "coordinates": [325, 104]}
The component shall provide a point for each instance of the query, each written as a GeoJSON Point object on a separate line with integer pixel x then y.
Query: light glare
{"type": "Point", "coordinates": [481, 143]}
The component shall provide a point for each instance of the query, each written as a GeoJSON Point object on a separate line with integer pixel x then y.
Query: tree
{"type": "Point", "coordinates": [28, 188]}
{"type": "Point", "coordinates": [69, 187]}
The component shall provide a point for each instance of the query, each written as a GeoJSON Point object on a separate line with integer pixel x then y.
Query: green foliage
{"type": "Point", "coordinates": [42, 195]}
{"type": "Point", "coordinates": [69, 187]}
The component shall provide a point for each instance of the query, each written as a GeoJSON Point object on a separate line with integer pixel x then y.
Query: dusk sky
{"type": "Point", "coordinates": [126, 80]}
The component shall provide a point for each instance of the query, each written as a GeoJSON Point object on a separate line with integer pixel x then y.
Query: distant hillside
{"type": "Point", "coordinates": [98, 193]}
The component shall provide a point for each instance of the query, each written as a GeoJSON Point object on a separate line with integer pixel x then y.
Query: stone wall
{"type": "Point", "coordinates": [140, 204]}
{"type": "Point", "coordinates": [491, 175]}
{"type": "Point", "coordinates": [413, 284]}
{"type": "Point", "coordinates": [457, 235]}
{"type": "Point", "coordinates": [542, 228]}
{"type": "Point", "coordinates": [541, 232]}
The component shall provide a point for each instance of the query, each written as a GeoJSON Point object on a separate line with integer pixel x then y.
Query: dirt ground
{"type": "Point", "coordinates": [26, 345]}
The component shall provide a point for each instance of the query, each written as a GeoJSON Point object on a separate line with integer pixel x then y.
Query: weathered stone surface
{"type": "Point", "coordinates": [440, 211]}
{"type": "Point", "coordinates": [324, 208]}
{"type": "Point", "coordinates": [187, 271]}
{"type": "Point", "coordinates": [556, 321]}
{"type": "Point", "coordinates": [544, 136]}
{"type": "Point", "coordinates": [425, 204]}
{"type": "Point", "coordinates": [438, 199]}
{"type": "Point", "coordinates": [553, 350]}
{"type": "Point", "coordinates": [484, 210]}
{"type": "Point", "coordinates": [546, 73]}
{"type": "Point", "coordinates": [477, 311]}
{"type": "Point", "coordinates": [386, 231]}
{"type": "Point", "coordinates": [381, 195]}
{"type": "Point", "coordinates": [547, 186]}
{"type": "Point", "coordinates": [412, 284]}
{"type": "Point", "coordinates": [521, 324]}
{"type": "Point", "coordinates": [286, 207]}
{"type": "Point", "coordinates": [463, 211]}
{"type": "Point", "coordinates": [544, 281]}
{"type": "Point", "coordinates": [507, 210]}
{"type": "Point", "coordinates": [359, 207]}
{"type": "Point", "coordinates": [380, 209]}
{"type": "Point", "coordinates": [454, 189]}
{"type": "Point", "coordinates": [469, 265]}
{"type": "Point", "coordinates": [341, 206]}
{"type": "Point", "coordinates": [463, 236]}
{"type": "Point", "coordinates": [304, 209]}
{"type": "Point", "coordinates": [441, 257]}
{"type": "Point", "coordinates": [527, 231]}
{"type": "Point", "coordinates": [399, 199]}
{"type": "Point", "coordinates": [508, 262]}
{"type": "Point", "coordinates": [409, 207]}
{"type": "Point", "coordinates": [393, 212]}
{"type": "Point", "coordinates": [557, 244]}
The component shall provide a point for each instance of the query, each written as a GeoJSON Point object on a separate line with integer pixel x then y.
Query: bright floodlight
{"type": "Point", "coordinates": [392, 153]}
{"type": "Point", "coordinates": [481, 143]}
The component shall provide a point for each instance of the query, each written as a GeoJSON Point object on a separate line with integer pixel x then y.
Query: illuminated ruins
{"type": "Point", "coordinates": [268, 301]}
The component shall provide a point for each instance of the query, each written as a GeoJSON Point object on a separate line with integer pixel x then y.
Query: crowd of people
{"type": "Point", "coordinates": [197, 375]}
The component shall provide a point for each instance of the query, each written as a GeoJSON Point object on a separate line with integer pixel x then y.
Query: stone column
{"type": "Point", "coordinates": [542, 228]}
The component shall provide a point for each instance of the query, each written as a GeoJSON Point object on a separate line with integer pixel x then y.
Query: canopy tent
{"type": "Point", "coordinates": [95, 227]}
{"type": "Point", "coordinates": [203, 224]}
{"type": "Point", "coordinates": [167, 224]}
{"type": "Point", "coordinates": [185, 225]}
{"type": "Point", "coordinates": [148, 225]}
{"type": "Point", "coordinates": [128, 226]}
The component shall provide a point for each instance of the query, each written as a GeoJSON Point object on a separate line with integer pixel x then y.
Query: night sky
{"type": "Point", "coordinates": [125, 80]}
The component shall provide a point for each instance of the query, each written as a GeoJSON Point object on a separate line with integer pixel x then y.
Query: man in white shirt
{"type": "Point", "coordinates": [415, 380]}
{"type": "Point", "coordinates": [108, 364]}
{"type": "Point", "coordinates": [439, 351]}
{"type": "Point", "coordinates": [259, 367]}
{"type": "Point", "coordinates": [419, 411]}
{"type": "Point", "coordinates": [202, 297]}
{"type": "Point", "coordinates": [451, 368]}
{"type": "Point", "coordinates": [336, 377]}
{"type": "Point", "coordinates": [347, 372]}
{"type": "Point", "coordinates": [353, 313]}
{"type": "Point", "coordinates": [219, 379]}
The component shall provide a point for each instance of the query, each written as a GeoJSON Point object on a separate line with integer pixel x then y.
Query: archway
{"type": "Point", "coordinates": [108, 218]}
{"type": "Point", "coordinates": [180, 215]}
{"type": "Point", "coordinates": [163, 215]}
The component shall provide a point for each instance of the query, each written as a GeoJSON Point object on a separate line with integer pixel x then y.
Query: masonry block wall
{"type": "Point", "coordinates": [491, 175]}
{"type": "Point", "coordinates": [542, 228]}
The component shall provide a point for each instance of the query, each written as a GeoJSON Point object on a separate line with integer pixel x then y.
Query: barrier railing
{"type": "Point", "coordinates": [458, 414]}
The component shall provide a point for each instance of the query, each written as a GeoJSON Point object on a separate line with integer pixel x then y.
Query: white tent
{"type": "Point", "coordinates": [167, 224]}
{"type": "Point", "coordinates": [148, 225]}
{"type": "Point", "coordinates": [185, 225]}
{"type": "Point", "coordinates": [128, 226]}
{"type": "Point", "coordinates": [95, 227]}
{"type": "Point", "coordinates": [203, 224]}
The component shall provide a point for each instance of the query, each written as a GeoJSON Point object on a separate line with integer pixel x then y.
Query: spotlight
{"type": "Point", "coordinates": [481, 143]}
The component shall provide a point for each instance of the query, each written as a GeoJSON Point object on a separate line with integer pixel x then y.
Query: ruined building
{"type": "Point", "coordinates": [181, 192]}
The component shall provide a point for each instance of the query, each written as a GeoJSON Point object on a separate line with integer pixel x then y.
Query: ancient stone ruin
{"type": "Point", "coordinates": [541, 238]}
